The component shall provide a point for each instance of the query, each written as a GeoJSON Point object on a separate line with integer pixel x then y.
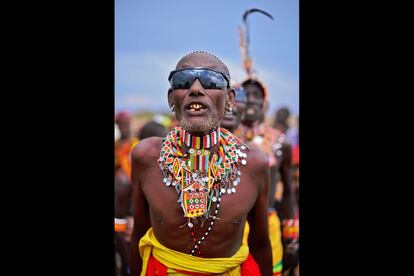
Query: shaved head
{"type": "Point", "coordinates": [206, 60]}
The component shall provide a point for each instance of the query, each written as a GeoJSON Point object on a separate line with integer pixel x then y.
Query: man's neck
{"type": "Point", "coordinates": [209, 140]}
{"type": "Point", "coordinates": [123, 140]}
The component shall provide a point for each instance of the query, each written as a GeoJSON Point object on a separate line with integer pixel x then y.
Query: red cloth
{"type": "Point", "coordinates": [295, 155]}
{"type": "Point", "coordinates": [250, 267]}
{"type": "Point", "coordinates": [156, 268]}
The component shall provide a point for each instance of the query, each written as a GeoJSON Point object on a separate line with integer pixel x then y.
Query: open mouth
{"type": "Point", "coordinates": [194, 107]}
{"type": "Point", "coordinates": [229, 118]}
{"type": "Point", "coordinates": [250, 111]}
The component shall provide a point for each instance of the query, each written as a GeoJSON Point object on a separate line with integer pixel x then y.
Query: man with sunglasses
{"type": "Point", "coordinates": [274, 144]}
{"type": "Point", "coordinates": [194, 190]}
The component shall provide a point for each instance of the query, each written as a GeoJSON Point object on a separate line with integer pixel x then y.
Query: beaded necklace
{"type": "Point", "coordinates": [196, 142]}
{"type": "Point", "coordinates": [200, 176]}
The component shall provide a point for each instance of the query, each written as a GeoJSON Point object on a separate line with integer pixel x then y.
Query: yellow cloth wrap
{"type": "Point", "coordinates": [274, 236]}
{"type": "Point", "coordinates": [176, 260]}
{"type": "Point", "coordinates": [246, 233]}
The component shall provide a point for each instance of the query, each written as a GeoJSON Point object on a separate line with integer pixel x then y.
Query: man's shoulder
{"type": "Point", "coordinates": [147, 148]}
{"type": "Point", "coordinates": [256, 156]}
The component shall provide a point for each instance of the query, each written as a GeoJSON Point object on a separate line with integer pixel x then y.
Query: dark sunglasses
{"type": "Point", "coordinates": [240, 95]}
{"type": "Point", "coordinates": [209, 79]}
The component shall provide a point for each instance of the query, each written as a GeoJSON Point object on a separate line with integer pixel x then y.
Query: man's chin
{"type": "Point", "coordinates": [250, 118]}
{"type": "Point", "coordinates": [197, 125]}
{"type": "Point", "coordinates": [228, 122]}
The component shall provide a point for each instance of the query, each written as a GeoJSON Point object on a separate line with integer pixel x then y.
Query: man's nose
{"type": "Point", "coordinates": [250, 98]}
{"type": "Point", "coordinates": [197, 89]}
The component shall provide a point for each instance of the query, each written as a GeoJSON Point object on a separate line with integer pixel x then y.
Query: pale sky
{"type": "Point", "coordinates": [151, 36]}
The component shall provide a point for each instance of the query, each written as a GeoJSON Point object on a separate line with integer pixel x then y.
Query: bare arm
{"type": "Point", "coordinates": [258, 240]}
{"type": "Point", "coordinates": [122, 205]}
{"type": "Point", "coordinates": [141, 214]}
{"type": "Point", "coordinates": [123, 192]}
{"type": "Point", "coordinates": [289, 207]}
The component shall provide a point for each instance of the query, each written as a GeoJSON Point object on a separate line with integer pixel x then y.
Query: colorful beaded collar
{"type": "Point", "coordinates": [200, 176]}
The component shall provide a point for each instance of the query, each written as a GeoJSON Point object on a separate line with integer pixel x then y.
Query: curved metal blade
{"type": "Point", "coordinates": [246, 13]}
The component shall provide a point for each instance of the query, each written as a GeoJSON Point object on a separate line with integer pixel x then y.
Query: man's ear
{"type": "Point", "coordinates": [231, 97]}
{"type": "Point", "coordinates": [170, 98]}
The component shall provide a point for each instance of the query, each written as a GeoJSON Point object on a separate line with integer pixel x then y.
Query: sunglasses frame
{"type": "Point", "coordinates": [199, 68]}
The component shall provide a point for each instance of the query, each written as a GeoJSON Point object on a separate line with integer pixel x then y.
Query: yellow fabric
{"type": "Point", "coordinates": [274, 236]}
{"type": "Point", "coordinates": [134, 142]}
{"type": "Point", "coordinates": [176, 260]}
{"type": "Point", "coordinates": [246, 233]}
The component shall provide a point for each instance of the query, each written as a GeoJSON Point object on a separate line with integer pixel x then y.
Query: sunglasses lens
{"type": "Point", "coordinates": [184, 79]}
{"type": "Point", "coordinates": [240, 95]}
{"type": "Point", "coordinates": [212, 80]}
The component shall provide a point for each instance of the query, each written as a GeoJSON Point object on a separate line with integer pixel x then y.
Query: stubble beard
{"type": "Point", "coordinates": [202, 126]}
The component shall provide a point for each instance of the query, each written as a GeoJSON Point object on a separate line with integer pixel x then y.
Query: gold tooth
{"type": "Point", "coordinates": [196, 106]}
